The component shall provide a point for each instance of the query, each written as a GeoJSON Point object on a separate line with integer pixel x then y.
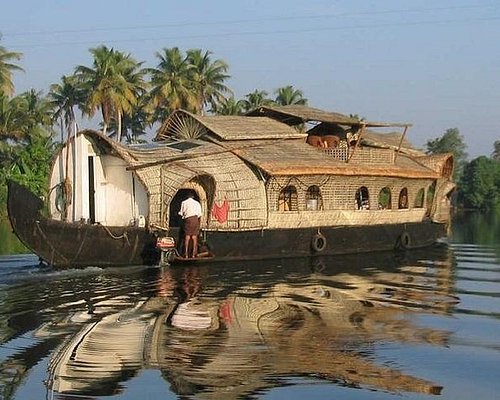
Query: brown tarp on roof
{"type": "Point", "coordinates": [297, 114]}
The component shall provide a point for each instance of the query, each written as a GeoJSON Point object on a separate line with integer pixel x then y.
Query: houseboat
{"type": "Point", "coordinates": [278, 182]}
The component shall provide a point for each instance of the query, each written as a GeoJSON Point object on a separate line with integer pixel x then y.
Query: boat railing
{"type": "Point", "coordinates": [339, 153]}
{"type": "Point", "coordinates": [365, 155]}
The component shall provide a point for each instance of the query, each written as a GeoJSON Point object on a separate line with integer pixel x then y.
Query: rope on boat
{"type": "Point", "coordinates": [122, 236]}
{"type": "Point", "coordinates": [54, 251]}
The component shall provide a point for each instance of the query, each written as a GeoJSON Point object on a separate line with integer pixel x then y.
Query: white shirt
{"type": "Point", "coordinates": [190, 207]}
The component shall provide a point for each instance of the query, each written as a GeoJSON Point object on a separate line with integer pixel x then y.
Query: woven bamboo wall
{"type": "Point", "coordinates": [303, 219]}
{"type": "Point", "coordinates": [440, 211]}
{"type": "Point", "coordinates": [234, 182]}
{"type": "Point", "coordinates": [339, 194]}
{"type": "Point", "coordinates": [365, 155]}
{"type": "Point", "coordinates": [371, 156]}
{"type": "Point", "coordinates": [151, 178]}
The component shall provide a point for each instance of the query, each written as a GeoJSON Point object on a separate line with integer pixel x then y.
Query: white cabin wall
{"type": "Point", "coordinates": [116, 201]}
{"type": "Point", "coordinates": [100, 189]}
{"type": "Point", "coordinates": [58, 175]}
{"type": "Point", "coordinates": [125, 197]}
{"type": "Point", "coordinates": [80, 179]}
{"type": "Point", "coordinates": [141, 198]}
{"type": "Point", "coordinates": [56, 178]}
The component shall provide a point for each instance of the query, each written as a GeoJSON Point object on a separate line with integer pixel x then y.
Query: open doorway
{"type": "Point", "coordinates": [175, 220]}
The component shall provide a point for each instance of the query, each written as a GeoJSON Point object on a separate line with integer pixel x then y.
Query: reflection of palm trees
{"type": "Point", "coordinates": [227, 332]}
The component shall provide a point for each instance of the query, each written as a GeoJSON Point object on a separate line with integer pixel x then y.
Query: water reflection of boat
{"type": "Point", "coordinates": [241, 329]}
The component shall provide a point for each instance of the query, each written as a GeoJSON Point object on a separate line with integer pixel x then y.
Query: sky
{"type": "Point", "coordinates": [434, 64]}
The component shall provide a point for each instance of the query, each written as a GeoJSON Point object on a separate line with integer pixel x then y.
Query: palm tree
{"type": "Point", "coordinates": [134, 123]}
{"type": "Point", "coordinates": [23, 116]}
{"type": "Point", "coordinates": [6, 68]}
{"type": "Point", "coordinates": [255, 100]}
{"type": "Point", "coordinates": [228, 106]}
{"type": "Point", "coordinates": [207, 77]}
{"type": "Point", "coordinates": [287, 95]}
{"type": "Point", "coordinates": [39, 111]}
{"type": "Point", "coordinates": [171, 83]}
{"type": "Point", "coordinates": [13, 117]}
{"type": "Point", "coordinates": [113, 84]}
{"type": "Point", "coordinates": [64, 97]}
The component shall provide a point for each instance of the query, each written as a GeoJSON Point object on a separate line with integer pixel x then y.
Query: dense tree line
{"type": "Point", "coordinates": [129, 97]}
{"type": "Point", "coordinates": [478, 180]}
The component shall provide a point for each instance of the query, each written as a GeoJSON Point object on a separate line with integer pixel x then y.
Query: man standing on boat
{"type": "Point", "coordinates": [191, 214]}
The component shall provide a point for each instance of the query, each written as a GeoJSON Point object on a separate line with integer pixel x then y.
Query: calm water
{"type": "Point", "coordinates": [419, 325]}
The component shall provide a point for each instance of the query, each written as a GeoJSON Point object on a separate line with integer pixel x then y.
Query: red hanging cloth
{"type": "Point", "coordinates": [221, 212]}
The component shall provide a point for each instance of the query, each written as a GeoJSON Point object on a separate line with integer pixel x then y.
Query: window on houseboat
{"type": "Point", "coordinates": [314, 201]}
{"type": "Point", "coordinates": [384, 199]}
{"type": "Point", "coordinates": [362, 198]}
{"type": "Point", "coordinates": [419, 198]}
{"type": "Point", "coordinates": [287, 200]}
{"type": "Point", "coordinates": [403, 199]}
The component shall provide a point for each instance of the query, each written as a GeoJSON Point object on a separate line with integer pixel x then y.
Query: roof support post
{"type": "Point", "coordinates": [361, 131]}
{"type": "Point", "coordinates": [400, 143]}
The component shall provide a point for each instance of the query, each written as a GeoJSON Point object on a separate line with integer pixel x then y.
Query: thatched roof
{"type": "Point", "coordinates": [283, 156]}
{"type": "Point", "coordinates": [294, 157]}
{"type": "Point", "coordinates": [391, 140]}
{"type": "Point", "coordinates": [225, 127]}
{"type": "Point", "coordinates": [442, 163]}
{"type": "Point", "coordinates": [297, 114]}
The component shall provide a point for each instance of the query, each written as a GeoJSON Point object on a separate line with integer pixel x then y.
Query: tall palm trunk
{"type": "Point", "coordinates": [68, 190]}
{"type": "Point", "coordinates": [104, 121]}
{"type": "Point", "coordinates": [119, 126]}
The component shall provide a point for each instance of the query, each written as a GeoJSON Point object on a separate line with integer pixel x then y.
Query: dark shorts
{"type": "Point", "coordinates": [192, 226]}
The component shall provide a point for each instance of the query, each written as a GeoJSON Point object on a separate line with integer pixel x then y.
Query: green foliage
{"type": "Point", "coordinates": [207, 78]}
{"type": "Point", "coordinates": [64, 97]}
{"type": "Point", "coordinates": [256, 99]}
{"type": "Point", "coordinates": [6, 69]}
{"type": "Point", "coordinates": [480, 184]}
{"type": "Point", "coordinates": [451, 142]}
{"type": "Point", "coordinates": [113, 84]}
{"type": "Point", "coordinates": [191, 82]}
{"type": "Point", "coordinates": [228, 106]}
{"type": "Point", "coordinates": [26, 146]}
{"type": "Point", "coordinates": [27, 164]}
{"type": "Point", "coordinates": [384, 198]}
{"type": "Point", "coordinates": [288, 95]}
{"type": "Point", "coordinates": [9, 244]}
{"type": "Point", "coordinates": [496, 152]}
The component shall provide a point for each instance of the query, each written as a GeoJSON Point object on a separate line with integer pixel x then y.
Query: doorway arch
{"type": "Point", "coordinates": [174, 219]}
{"type": "Point", "coordinates": [203, 189]}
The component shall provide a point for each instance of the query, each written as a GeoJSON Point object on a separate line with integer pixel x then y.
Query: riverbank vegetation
{"type": "Point", "coordinates": [128, 99]}
{"type": "Point", "coordinates": [478, 180]}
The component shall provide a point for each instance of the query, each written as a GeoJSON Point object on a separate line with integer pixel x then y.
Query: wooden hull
{"type": "Point", "coordinates": [65, 244]}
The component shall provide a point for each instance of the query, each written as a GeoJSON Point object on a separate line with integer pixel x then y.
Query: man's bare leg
{"type": "Point", "coordinates": [195, 245]}
{"type": "Point", "coordinates": [186, 246]}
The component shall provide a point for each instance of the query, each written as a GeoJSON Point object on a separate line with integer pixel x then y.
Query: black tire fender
{"type": "Point", "coordinates": [318, 243]}
{"type": "Point", "coordinates": [404, 241]}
